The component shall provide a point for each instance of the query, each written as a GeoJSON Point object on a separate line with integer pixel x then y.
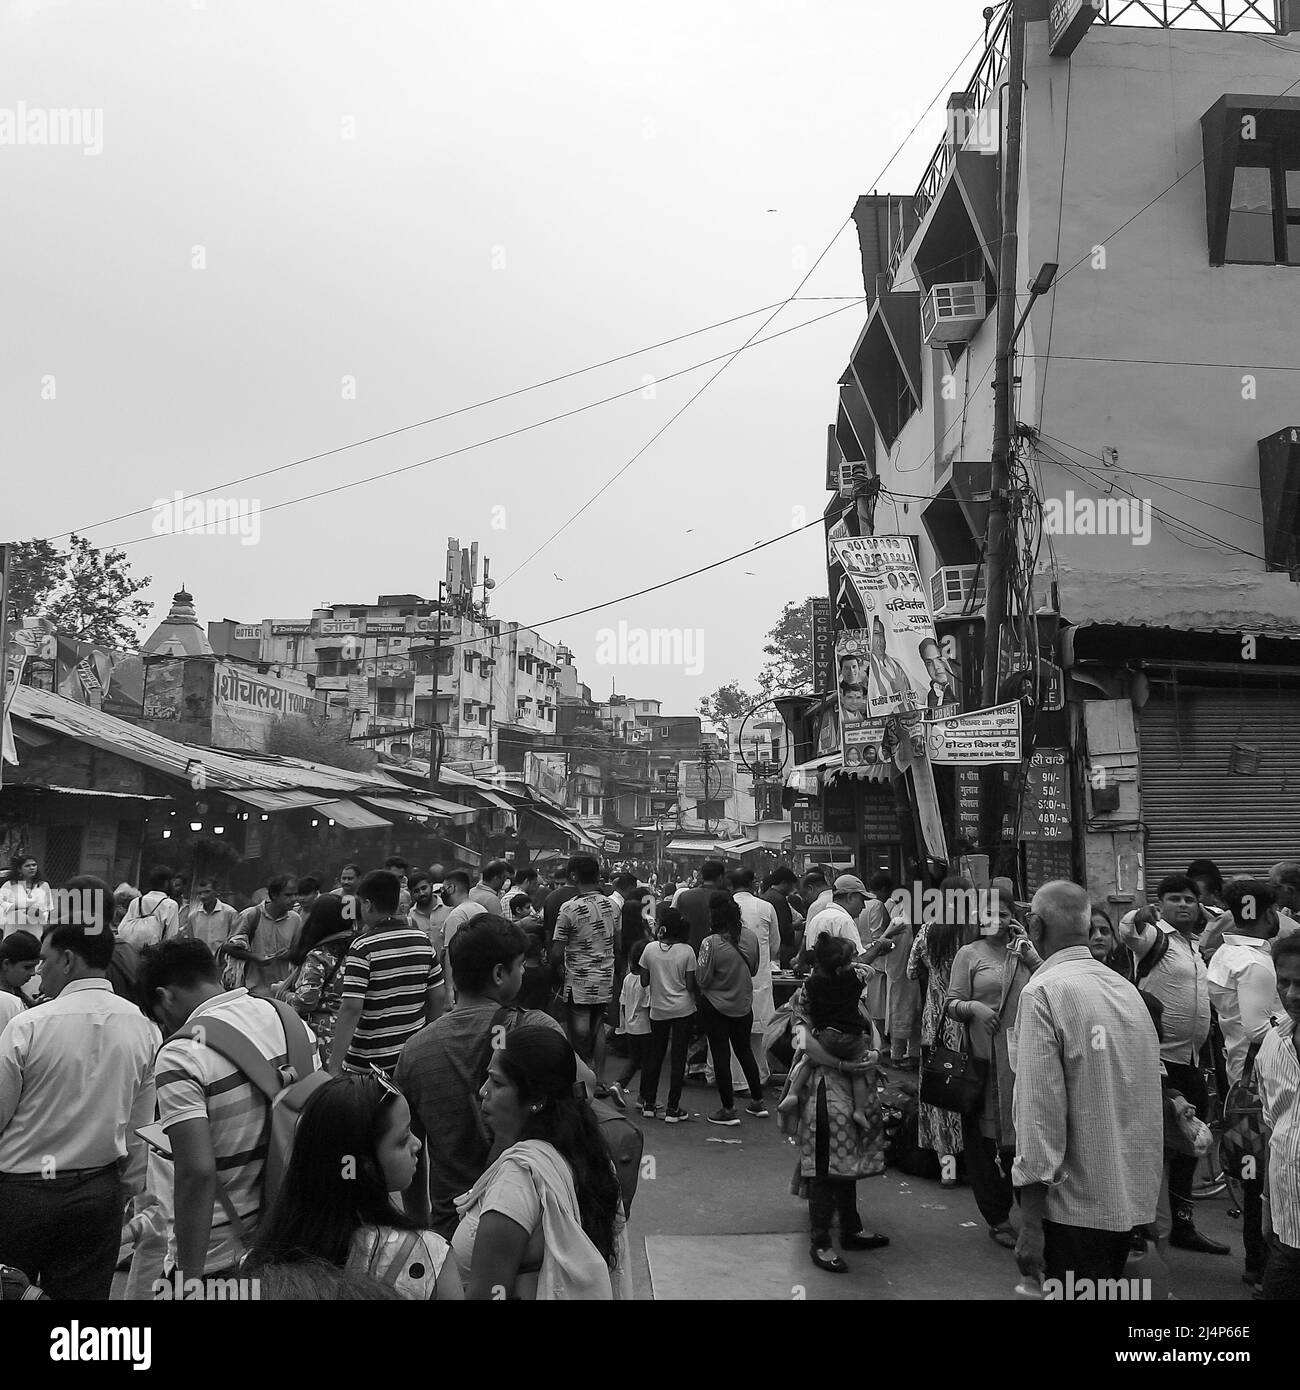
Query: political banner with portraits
{"type": "Point", "coordinates": [894, 663]}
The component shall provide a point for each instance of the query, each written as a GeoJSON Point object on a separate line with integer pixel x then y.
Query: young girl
{"type": "Point", "coordinates": [352, 1149]}
{"type": "Point", "coordinates": [834, 994]}
{"type": "Point", "coordinates": [633, 1022]}
{"type": "Point", "coordinates": [667, 972]}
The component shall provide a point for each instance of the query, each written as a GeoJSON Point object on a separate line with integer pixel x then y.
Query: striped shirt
{"type": "Point", "coordinates": [196, 1083]}
{"type": "Point", "coordinates": [1277, 1073]}
{"type": "Point", "coordinates": [389, 970]}
{"type": "Point", "coordinates": [1088, 1111]}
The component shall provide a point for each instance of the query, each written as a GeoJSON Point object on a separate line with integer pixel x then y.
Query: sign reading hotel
{"type": "Point", "coordinates": [981, 736]}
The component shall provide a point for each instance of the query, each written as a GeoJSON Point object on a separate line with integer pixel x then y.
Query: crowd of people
{"type": "Point", "coordinates": [410, 1084]}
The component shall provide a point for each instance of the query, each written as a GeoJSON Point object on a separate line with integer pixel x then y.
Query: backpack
{"type": "Point", "coordinates": [625, 1143]}
{"type": "Point", "coordinates": [287, 1088]}
{"type": "Point", "coordinates": [16, 1287]}
{"type": "Point", "coordinates": [623, 1139]}
{"type": "Point", "coordinates": [1242, 1135]}
{"type": "Point", "coordinates": [1159, 949]}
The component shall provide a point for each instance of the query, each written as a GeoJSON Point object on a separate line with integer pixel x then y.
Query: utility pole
{"type": "Point", "coordinates": [998, 537]}
{"type": "Point", "coordinates": [435, 728]}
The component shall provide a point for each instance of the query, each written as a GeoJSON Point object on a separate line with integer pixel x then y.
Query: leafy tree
{"type": "Point", "coordinates": [95, 601]}
{"type": "Point", "coordinates": [728, 701]}
{"type": "Point", "coordinates": [318, 741]}
{"type": "Point", "coordinates": [789, 652]}
{"type": "Point", "coordinates": [35, 571]}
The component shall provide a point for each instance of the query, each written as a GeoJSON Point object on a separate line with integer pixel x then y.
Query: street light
{"type": "Point", "coordinates": [1038, 286]}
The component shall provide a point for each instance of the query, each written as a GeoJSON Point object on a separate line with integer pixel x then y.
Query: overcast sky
{"type": "Point", "coordinates": [444, 203]}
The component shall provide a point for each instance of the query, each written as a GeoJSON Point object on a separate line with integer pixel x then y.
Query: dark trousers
{"type": "Point", "coordinates": [725, 1034]}
{"type": "Point", "coordinates": [828, 1198]}
{"type": "Point", "coordinates": [1252, 1224]}
{"type": "Point", "coordinates": [63, 1232]}
{"type": "Point", "coordinates": [1282, 1278]}
{"type": "Point", "coordinates": [1187, 1078]}
{"type": "Point", "coordinates": [664, 1031]}
{"type": "Point", "coordinates": [1090, 1254]}
{"type": "Point", "coordinates": [993, 1190]}
{"type": "Point", "coordinates": [636, 1051]}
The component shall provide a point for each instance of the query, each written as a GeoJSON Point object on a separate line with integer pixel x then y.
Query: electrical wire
{"type": "Point", "coordinates": [1225, 511]}
{"type": "Point", "coordinates": [578, 612]}
{"type": "Point", "coordinates": [1264, 106]}
{"type": "Point", "coordinates": [446, 415]}
{"type": "Point", "coordinates": [615, 476]}
{"type": "Point", "coordinates": [509, 434]}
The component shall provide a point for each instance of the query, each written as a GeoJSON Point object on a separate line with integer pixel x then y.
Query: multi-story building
{"type": "Point", "coordinates": [1156, 471]}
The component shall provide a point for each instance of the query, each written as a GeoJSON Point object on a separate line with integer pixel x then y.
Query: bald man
{"type": "Point", "coordinates": [1088, 1109]}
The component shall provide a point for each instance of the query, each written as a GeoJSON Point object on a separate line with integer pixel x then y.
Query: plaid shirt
{"type": "Point", "coordinates": [1088, 1113]}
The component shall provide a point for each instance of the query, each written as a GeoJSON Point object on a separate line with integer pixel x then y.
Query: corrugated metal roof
{"type": "Point", "coordinates": [224, 771]}
{"type": "Point", "coordinates": [1233, 601]}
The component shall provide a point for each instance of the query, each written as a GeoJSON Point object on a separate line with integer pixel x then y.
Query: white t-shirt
{"type": "Point", "coordinates": [633, 1005]}
{"type": "Point", "coordinates": [458, 917]}
{"type": "Point", "coordinates": [514, 1194]}
{"type": "Point", "coordinates": [670, 969]}
{"type": "Point", "coordinates": [835, 921]}
{"type": "Point", "coordinates": [10, 1007]}
{"type": "Point", "coordinates": [149, 920]}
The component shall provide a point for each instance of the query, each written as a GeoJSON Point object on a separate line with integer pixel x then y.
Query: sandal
{"type": "Point", "coordinates": [834, 1265]}
{"type": "Point", "coordinates": [1003, 1235]}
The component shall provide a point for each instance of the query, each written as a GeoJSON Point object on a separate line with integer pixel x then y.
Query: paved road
{"type": "Point", "coordinates": [717, 1220]}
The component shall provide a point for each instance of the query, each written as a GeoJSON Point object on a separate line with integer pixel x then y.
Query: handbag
{"type": "Point", "coordinates": [953, 1080]}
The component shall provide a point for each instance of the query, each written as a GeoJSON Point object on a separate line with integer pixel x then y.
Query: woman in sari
{"type": "Point", "coordinates": [834, 1152]}
{"type": "Point", "coordinates": [546, 1219]}
{"type": "Point", "coordinates": [983, 995]}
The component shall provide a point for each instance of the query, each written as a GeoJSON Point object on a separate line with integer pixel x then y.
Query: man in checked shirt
{"type": "Point", "coordinates": [1088, 1111]}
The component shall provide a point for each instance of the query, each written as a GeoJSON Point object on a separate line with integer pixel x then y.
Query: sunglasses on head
{"type": "Point", "coordinates": [384, 1083]}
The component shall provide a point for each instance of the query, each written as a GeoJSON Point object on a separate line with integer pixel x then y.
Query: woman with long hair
{"type": "Point", "coordinates": [728, 962]}
{"type": "Point", "coordinates": [667, 973]}
{"type": "Point", "coordinates": [1103, 945]}
{"type": "Point", "coordinates": [984, 987]}
{"type": "Point", "coordinates": [315, 986]}
{"type": "Point", "coordinates": [933, 951]}
{"type": "Point", "coordinates": [545, 1221]}
{"type": "Point", "coordinates": [26, 903]}
{"type": "Point", "coordinates": [353, 1147]}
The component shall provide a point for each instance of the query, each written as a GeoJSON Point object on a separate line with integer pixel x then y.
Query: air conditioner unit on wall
{"type": "Point", "coordinates": [953, 313]}
{"type": "Point", "coordinates": [951, 591]}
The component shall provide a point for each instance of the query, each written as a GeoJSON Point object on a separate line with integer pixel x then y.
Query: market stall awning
{"type": "Point", "coordinates": [351, 816]}
{"type": "Point", "coordinates": [402, 806]}
{"type": "Point", "coordinates": [705, 847]}
{"type": "Point", "coordinates": [566, 827]}
{"type": "Point", "coordinates": [274, 801]}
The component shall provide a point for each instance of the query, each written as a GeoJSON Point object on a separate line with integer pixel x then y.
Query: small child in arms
{"type": "Point", "coordinates": [833, 993]}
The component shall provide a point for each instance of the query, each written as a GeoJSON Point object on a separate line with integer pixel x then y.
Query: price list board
{"type": "Point", "coordinates": [879, 816]}
{"type": "Point", "coordinates": [1047, 797]}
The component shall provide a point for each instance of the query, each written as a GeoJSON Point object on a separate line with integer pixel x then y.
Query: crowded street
{"type": "Point", "coordinates": [651, 655]}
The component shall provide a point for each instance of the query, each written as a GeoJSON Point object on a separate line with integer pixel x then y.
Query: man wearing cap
{"type": "Point", "coordinates": [840, 918]}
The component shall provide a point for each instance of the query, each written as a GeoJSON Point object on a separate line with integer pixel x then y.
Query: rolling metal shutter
{"type": "Point", "coordinates": [1193, 806]}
